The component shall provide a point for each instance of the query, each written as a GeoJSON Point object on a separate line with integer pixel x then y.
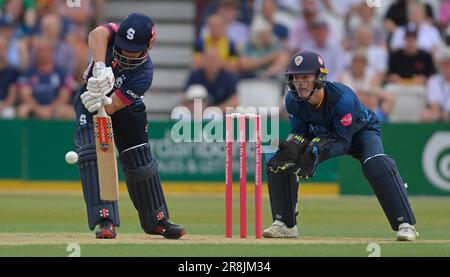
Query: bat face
{"type": "Point", "coordinates": [104, 133]}
{"type": "Point", "coordinates": [106, 157]}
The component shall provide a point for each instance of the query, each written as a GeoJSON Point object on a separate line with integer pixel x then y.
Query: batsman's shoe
{"type": "Point", "coordinates": [280, 230]}
{"type": "Point", "coordinates": [169, 230]}
{"type": "Point", "coordinates": [406, 232]}
{"type": "Point", "coordinates": [106, 230]}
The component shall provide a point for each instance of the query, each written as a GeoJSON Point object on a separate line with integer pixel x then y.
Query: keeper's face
{"type": "Point", "coordinates": [304, 84]}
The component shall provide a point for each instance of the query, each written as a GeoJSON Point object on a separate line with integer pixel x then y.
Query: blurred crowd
{"type": "Point", "coordinates": [399, 44]}
{"type": "Point", "coordinates": [375, 50]}
{"type": "Point", "coordinates": [43, 52]}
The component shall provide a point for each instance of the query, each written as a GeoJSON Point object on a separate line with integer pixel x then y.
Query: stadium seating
{"type": "Point", "coordinates": [409, 103]}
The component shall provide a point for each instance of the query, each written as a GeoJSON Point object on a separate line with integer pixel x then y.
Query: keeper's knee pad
{"type": "Point", "coordinates": [382, 174]}
{"type": "Point", "coordinates": [283, 192]}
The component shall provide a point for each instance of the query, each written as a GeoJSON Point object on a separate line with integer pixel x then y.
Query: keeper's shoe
{"type": "Point", "coordinates": [169, 230]}
{"type": "Point", "coordinates": [406, 232]}
{"type": "Point", "coordinates": [106, 230]}
{"type": "Point", "coordinates": [280, 230]}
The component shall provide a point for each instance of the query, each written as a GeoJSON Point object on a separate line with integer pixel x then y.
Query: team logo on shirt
{"type": "Point", "coordinates": [347, 120]}
{"type": "Point", "coordinates": [55, 80]}
{"type": "Point", "coordinates": [298, 60]}
{"type": "Point", "coordinates": [119, 81]}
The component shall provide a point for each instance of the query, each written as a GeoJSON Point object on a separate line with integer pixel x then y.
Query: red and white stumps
{"type": "Point", "coordinates": [242, 139]}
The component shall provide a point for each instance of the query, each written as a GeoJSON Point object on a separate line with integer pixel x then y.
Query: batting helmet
{"type": "Point", "coordinates": [306, 62]}
{"type": "Point", "coordinates": [136, 33]}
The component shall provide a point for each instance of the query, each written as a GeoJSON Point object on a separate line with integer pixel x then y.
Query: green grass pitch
{"type": "Point", "coordinates": [43, 224]}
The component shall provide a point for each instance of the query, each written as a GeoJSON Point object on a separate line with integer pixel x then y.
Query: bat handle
{"type": "Point", "coordinates": [101, 111]}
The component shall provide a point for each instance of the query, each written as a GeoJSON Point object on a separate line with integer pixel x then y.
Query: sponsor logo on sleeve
{"type": "Point", "coordinates": [347, 120]}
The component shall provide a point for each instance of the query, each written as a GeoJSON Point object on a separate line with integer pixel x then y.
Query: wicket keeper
{"type": "Point", "coordinates": [327, 120]}
{"type": "Point", "coordinates": [119, 75]}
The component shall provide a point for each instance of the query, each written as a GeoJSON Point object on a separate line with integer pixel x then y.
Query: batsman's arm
{"type": "Point", "coordinates": [98, 43]}
{"type": "Point", "coordinates": [116, 105]}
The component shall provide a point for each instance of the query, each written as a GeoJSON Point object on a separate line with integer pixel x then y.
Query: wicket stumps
{"type": "Point", "coordinates": [229, 139]}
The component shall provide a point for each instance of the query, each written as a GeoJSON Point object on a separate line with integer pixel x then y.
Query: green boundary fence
{"type": "Point", "coordinates": [34, 150]}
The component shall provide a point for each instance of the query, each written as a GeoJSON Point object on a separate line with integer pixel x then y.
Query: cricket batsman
{"type": "Point", "coordinates": [327, 120]}
{"type": "Point", "coordinates": [118, 76]}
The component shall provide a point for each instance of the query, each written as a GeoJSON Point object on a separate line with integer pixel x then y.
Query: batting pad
{"type": "Point", "coordinates": [144, 185]}
{"type": "Point", "coordinates": [87, 162]}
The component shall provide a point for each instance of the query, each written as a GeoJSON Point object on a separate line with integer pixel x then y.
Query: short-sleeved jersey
{"type": "Point", "coordinates": [130, 85]}
{"type": "Point", "coordinates": [8, 77]}
{"type": "Point", "coordinates": [227, 49]}
{"type": "Point", "coordinates": [219, 90]}
{"type": "Point", "coordinates": [407, 66]}
{"type": "Point", "coordinates": [340, 116]}
{"type": "Point", "coordinates": [46, 86]}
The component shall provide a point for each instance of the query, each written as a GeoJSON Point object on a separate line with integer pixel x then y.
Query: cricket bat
{"type": "Point", "coordinates": [106, 156]}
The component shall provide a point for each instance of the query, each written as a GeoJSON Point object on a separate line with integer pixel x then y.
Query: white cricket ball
{"type": "Point", "coordinates": [71, 157]}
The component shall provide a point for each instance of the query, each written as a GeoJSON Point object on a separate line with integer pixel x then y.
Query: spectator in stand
{"type": "Point", "coordinates": [291, 7]}
{"type": "Point", "coordinates": [237, 31]}
{"type": "Point", "coordinates": [245, 12]}
{"type": "Point", "coordinates": [428, 39]}
{"type": "Point", "coordinates": [45, 90]}
{"type": "Point", "coordinates": [51, 30]}
{"type": "Point", "coordinates": [263, 56]}
{"type": "Point", "coordinates": [444, 14]}
{"type": "Point", "coordinates": [21, 12]}
{"type": "Point", "coordinates": [438, 91]}
{"type": "Point", "coordinates": [377, 55]}
{"type": "Point", "coordinates": [410, 65]}
{"type": "Point", "coordinates": [217, 39]}
{"type": "Point", "coordinates": [8, 89]}
{"type": "Point", "coordinates": [367, 85]}
{"type": "Point", "coordinates": [341, 8]}
{"type": "Point", "coordinates": [220, 83]}
{"type": "Point", "coordinates": [397, 14]}
{"type": "Point", "coordinates": [17, 53]}
{"type": "Point", "coordinates": [45, 7]}
{"type": "Point", "coordinates": [363, 15]}
{"type": "Point", "coordinates": [268, 11]}
{"type": "Point", "coordinates": [326, 46]}
{"type": "Point", "coordinates": [193, 95]}
{"type": "Point", "coordinates": [300, 32]}
{"type": "Point", "coordinates": [82, 18]}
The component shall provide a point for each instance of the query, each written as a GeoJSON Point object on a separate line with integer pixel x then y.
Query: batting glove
{"type": "Point", "coordinates": [93, 101]}
{"type": "Point", "coordinates": [102, 81]}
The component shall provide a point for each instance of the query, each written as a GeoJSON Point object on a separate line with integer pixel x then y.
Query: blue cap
{"type": "Point", "coordinates": [306, 62]}
{"type": "Point", "coordinates": [136, 33]}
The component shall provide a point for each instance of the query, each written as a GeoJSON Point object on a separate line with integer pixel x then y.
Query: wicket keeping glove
{"type": "Point", "coordinates": [102, 81]}
{"type": "Point", "coordinates": [308, 162]}
{"type": "Point", "coordinates": [93, 101]}
{"type": "Point", "coordinates": [288, 153]}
